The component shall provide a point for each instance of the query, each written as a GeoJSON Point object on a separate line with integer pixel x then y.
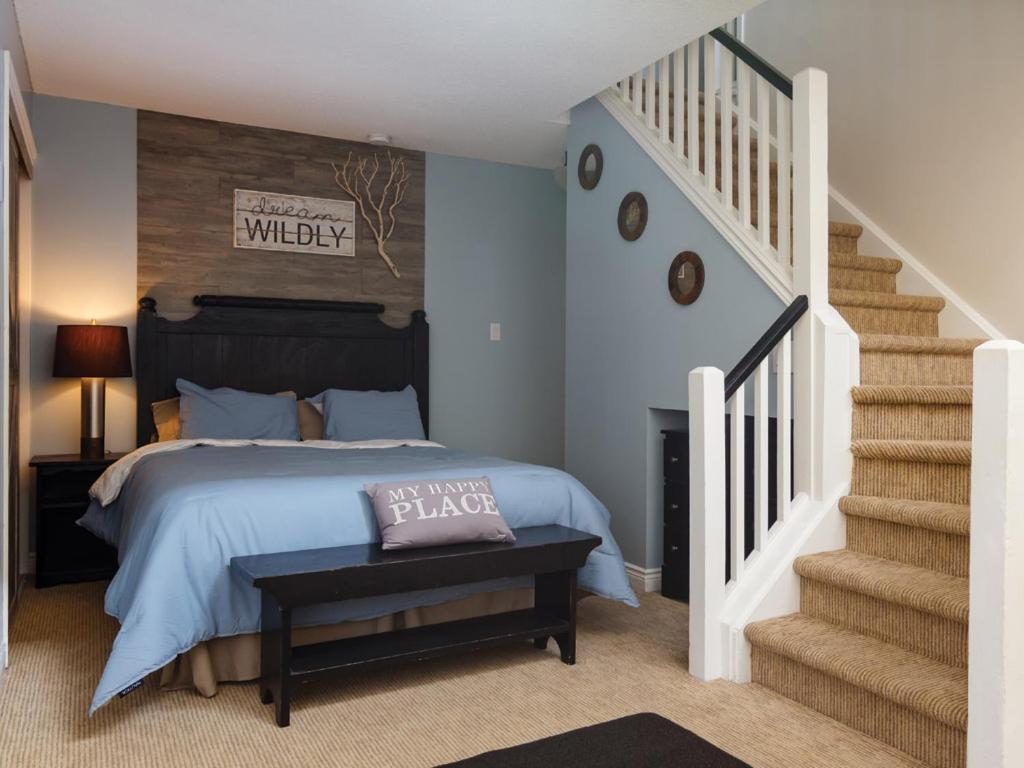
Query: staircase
{"type": "Point", "coordinates": [880, 642]}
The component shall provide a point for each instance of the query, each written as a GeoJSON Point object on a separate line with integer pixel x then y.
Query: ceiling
{"type": "Point", "coordinates": [491, 79]}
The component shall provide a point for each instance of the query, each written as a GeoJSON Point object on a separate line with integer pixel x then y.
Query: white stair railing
{"type": "Point", "coordinates": [995, 666]}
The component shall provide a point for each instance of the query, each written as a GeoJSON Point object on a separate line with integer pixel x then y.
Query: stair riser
{"type": "Point", "coordinates": [912, 480]}
{"type": "Point", "coordinates": [928, 740]}
{"type": "Point", "coordinates": [911, 421]}
{"type": "Point", "coordinates": [901, 322]}
{"type": "Point", "coordinates": [924, 633]}
{"type": "Point", "coordinates": [913, 368]}
{"type": "Point", "coordinates": [842, 244]}
{"type": "Point", "coordinates": [935, 550]}
{"type": "Point", "coordinates": [861, 280]}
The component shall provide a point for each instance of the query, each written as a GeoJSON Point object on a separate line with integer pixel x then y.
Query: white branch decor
{"type": "Point", "coordinates": [357, 180]}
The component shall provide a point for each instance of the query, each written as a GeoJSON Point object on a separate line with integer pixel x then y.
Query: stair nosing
{"type": "Point", "coordinates": [956, 452]}
{"type": "Point", "coordinates": [845, 297]}
{"type": "Point", "coordinates": [879, 342]}
{"type": "Point", "coordinates": [888, 510]}
{"type": "Point", "coordinates": [913, 394]}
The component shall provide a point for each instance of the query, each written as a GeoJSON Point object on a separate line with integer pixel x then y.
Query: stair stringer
{"type": "Point", "coordinates": [743, 240]}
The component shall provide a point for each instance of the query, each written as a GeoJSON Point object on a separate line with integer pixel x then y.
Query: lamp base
{"type": "Point", "coordinates": [94, 392]}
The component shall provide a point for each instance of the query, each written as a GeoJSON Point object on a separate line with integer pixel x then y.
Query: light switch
{"type": "Point", "coordinates": [495, 331]}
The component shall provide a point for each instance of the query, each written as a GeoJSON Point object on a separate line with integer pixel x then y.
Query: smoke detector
{"type": "Point", "coordinates": [379, 139]}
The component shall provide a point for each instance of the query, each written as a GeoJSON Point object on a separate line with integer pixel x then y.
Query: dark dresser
{"type": "Point", "coordinates": [675, 568]}
{"type": "Point", "coordinates": [65, 552]}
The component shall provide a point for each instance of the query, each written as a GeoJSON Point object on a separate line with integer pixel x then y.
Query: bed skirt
{"type": "Point", "coordinates": [237, 658]}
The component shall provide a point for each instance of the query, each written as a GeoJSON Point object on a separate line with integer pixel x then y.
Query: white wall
{"type": "Point", "coordinates": [924, 127]}
{"type": "Point", "coordinates": [10, 39]}
{"type": "Point", "coordinates": [83, 261]}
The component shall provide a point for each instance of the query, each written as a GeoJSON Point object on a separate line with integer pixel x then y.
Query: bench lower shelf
{"type": "Point", "coordinates": [424, 642]}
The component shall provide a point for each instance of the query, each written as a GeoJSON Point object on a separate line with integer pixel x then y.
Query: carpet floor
{"type": "Point", "coordinates": [629, 661]}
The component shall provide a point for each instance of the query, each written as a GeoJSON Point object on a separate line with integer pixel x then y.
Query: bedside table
{"type": "Point", "coordinates": [66, 552]}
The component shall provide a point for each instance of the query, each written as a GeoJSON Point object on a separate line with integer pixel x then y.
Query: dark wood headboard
{"type": "Point", "coordinates": [272, 345]}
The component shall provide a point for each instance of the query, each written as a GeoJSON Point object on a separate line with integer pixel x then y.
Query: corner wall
{"type": "Point", "coordinates": [629, 346]}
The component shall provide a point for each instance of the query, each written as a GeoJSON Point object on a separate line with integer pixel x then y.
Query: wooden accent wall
{"type": "Point", "coordinates": [188, 170]}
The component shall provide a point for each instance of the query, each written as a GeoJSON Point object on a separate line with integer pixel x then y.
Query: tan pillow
{"type": "Point", "coordinates": [311, 421]}
{"type": "Point", "coordinates": [167, 417]}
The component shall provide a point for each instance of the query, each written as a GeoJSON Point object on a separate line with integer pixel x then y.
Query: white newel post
{"type": "Point", "coordinates": [995, 736]}
{"type": "Point", "coordinates": [707, 521]}
{"type": "Point", "coordinates": [810, 267]}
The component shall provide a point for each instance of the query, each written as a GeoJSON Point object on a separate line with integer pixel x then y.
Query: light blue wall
{"type": "Point", "coordinates": [495, 252]}
{"type": "Point", "coordinates": [629, 347]}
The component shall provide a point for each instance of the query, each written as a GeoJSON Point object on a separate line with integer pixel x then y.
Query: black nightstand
{"type": "Point", "coordinates": [66, 552]}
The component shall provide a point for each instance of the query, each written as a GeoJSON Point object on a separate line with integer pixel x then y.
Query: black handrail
{"type": "Point", "coordinates": [755, 62]}
{"type": "Point", "coordinates": [763, 346]}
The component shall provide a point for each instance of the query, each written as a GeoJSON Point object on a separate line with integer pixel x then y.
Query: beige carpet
{"type": "Point", "coordinates": [415, 715]}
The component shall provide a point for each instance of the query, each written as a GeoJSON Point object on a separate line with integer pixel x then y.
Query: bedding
{"type": "Point", "coordinates": [356, 415]}
{"type": "Point", "coordinates": [178, 512]}
{"type": "Point", "coordinates": [232, 413]}
{"type": "Point", "coordinates": [167, 418]}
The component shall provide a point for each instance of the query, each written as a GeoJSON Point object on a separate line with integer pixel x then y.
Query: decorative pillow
{"type": "Point", "coordinates": [311, 421]}
{"type": "Point", "coordinates": [167, 419]}
{"type": "Point", "coordinates": [429, 513]}
{"type": "Point", "coordinates": [233, 414]}
{"type": "Point", "coordinates": [352, 415]}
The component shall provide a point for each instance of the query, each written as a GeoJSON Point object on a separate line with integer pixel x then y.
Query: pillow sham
{"type": "Point", "coordinates": [430, 513]}
{"type": "Point", "coordinates": [232, 414]}
{"type": "Point", "coordinates": [167, 419]}
{"type": "Point", "coordinates": [354, 415]}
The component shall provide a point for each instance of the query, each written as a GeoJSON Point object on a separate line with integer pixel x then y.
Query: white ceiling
{"type": "Point", "coordinates": [491, 79]}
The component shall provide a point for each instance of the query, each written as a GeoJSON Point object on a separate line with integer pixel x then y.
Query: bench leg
{"type": "Point", "coordinates": [275, 657]}
{"type": "Point", "coordinates": [556, 592]}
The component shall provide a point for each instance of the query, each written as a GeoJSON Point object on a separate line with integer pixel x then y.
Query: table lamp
{"type": "Point", "coordinates": [93, 353]}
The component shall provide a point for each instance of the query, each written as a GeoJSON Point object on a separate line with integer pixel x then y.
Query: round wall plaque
{"type": "Point", "coordinates": [632, 216]}
{"type": "Point", "coordinates": [590, 167]}
{"type": "Point", "coordinates": [686, 277]}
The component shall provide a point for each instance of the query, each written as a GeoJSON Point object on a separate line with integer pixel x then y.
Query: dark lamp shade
{"type": "Point", "coordinates": [99, 351]}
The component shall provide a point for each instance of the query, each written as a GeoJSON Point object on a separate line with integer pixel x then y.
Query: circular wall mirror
{"type": "Point", "coordinates": [590, 167]}
{"type": "Point", "coordinates": [686, 277]}
{"type": "Point", "coordinates": [632, 216]}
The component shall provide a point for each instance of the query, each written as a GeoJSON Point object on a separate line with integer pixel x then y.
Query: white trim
{"type": "Point", "coordinates": [4, 660]}
{"type": "Point", "coordinates": [644, 579]}
{"type": "Point", "coordinates": [22, 127]}
{"type": "Point", "coordinates": [887, 242]}
{"type": "Point", "coordinates": [742, 240]}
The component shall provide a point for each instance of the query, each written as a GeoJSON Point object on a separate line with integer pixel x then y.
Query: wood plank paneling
{"type": "Point", "coordinates": [188, 170]}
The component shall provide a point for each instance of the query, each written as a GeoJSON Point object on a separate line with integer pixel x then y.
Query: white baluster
{"type": "Point", "coordinates": [761, 455]}
{"type": "Point", "coordinates": [638, 102]}
{"type": "Point", "coordinates": [663, 89]}
{"type": "Point", "coordinates": [709, 114]}
{"type": "Point", "coordinates": [764, 155]}
{"type": "Point", "coordinates": [624, 89]}
{"type": "Point", "coordinates": [649, 96]}
{"type": "Point", "coordinates": [743, 152]}
{"type": "Point", "coordinates": [692, 89]}
{"type": "Point", "coordinates": [725, 88]}
{"type": "Point", "coordinates": [679, 101]}
{"type": "Point", "coordinates": [782, 134]}
{"type": "Point", "coordinates": [737, 502]}
{"type": "Point", "coordinates": [783, 395]}
{"type": "Point", "coordinates": [707, 521]}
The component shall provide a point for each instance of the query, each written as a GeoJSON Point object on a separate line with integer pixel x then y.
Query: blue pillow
{"type": "Point", "coordinates": [352, 415]}
{"type": "Point", "coordinates": [233, 414]}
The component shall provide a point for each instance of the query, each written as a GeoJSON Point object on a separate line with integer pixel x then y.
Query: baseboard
{"type": "Point", "coordinates": [960, 318]}
{"type": "Point", "coordinates": [3, 660]}
{"type": "Point", "coordinates": [644, 579]}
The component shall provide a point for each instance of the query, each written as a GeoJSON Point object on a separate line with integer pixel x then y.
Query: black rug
{"type": "Point", "coordinates": [638, 741]}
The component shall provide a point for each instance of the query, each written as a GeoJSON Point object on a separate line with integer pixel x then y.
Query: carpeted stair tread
{"type": "Point", "coordinates": [872, 299]}
{"type": "Point", "coordinates": [875, 342]}
{"type": "Point", "coordinates": [931, 515]}
{"type": "Point", "coordinates": [907, 585]}
{"type": "Point", "coordinates": [842, 229]}
{"type": "Point", "coordinates": [864, 263]}
{"type": "Point", "coordinates": [933, 689]}
{"type": "Point", "coordinates": [916, 394]}
{"type": "Point", "coordinates": [923, 451]}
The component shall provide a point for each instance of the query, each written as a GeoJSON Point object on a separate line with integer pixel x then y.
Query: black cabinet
{"type": "Point", "coordinates": [675, 569]}
{"type": "Point", "coordinates": [66, 552]}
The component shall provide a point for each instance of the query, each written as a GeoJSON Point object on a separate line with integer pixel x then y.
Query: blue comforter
{"type": "Point", "coordinates": [181, 517]}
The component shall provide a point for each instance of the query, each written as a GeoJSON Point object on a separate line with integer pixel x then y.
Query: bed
{"type": "Point", "coordinates": [178, 512]}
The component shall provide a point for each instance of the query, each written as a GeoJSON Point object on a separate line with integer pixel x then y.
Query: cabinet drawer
{"type": "Point", "coordinates": [58, 486]}
{"type": "Point", "coordinates": [677, 457]}
{"type": "Point", "coordinates": [677, 504]}
{"type": "Point", "coordinates": [676, 545]}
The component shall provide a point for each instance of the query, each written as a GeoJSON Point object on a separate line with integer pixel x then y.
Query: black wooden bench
{"type": "Point", "coordinates": [289, 580]}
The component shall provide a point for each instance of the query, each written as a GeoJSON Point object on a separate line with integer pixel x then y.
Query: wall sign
{"type": "Point", "coordinates": [273, 222]}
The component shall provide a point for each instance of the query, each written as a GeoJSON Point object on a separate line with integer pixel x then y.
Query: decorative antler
{"type": "Point", "coordinates": [379, 217]}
